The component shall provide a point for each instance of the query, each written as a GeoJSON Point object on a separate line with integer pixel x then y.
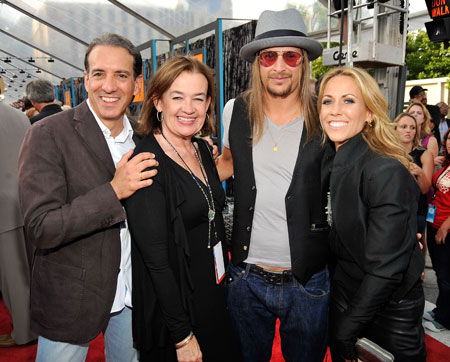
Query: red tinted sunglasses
{"type": "Point", "coordinates": [290, 57]}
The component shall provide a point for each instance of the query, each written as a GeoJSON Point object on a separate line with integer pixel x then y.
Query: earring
{"type": "Point", "coordinates": [158, 117]}
{"type": "Point", "coordinates": [207, 117]}
{"type": "Point", "coordinates": [370, 123]}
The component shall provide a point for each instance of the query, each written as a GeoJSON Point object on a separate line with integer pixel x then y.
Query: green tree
{"type": "Point", "coordinates": [426, 59]}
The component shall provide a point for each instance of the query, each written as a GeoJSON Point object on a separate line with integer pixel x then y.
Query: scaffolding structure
{"type": "Point", "coordinates": [382, 48]}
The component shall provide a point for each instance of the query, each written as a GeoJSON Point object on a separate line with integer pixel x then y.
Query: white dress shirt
{"type": "Point", "coordinates": [118, 146]}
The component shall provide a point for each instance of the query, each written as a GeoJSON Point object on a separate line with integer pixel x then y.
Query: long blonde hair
{"type": "Point", "coordinates": [255, 94]}
{"type": "Point", "coordinates": [425, 129]}
{"type": "Point", "coordinates": [380, 135]}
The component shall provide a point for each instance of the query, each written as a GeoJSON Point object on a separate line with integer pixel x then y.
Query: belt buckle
{"type": "Point", "coordinates": [273, 278]}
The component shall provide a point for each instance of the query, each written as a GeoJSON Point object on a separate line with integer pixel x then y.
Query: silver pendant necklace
{"type": "Point", "coordinates": [210, 199]}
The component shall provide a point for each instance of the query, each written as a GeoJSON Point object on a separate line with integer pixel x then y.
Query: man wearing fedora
{"type": "Point", "coordinates": [272, 145]}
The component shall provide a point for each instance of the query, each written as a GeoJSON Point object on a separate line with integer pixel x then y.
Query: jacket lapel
{"type": "Point", "coordinates": [88, 129]}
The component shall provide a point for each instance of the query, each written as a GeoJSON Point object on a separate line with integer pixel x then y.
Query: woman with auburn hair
{"type": "Point", "coordinates": [376, 265]}
{"type": "Point", "coordinates": [438, 241]}
{"type": "Point", "coordinates": [178, 252]}
{"type": "Point", "coordinates": [423, 166]}
{"type": "Point", "coordinates": [423, 118]}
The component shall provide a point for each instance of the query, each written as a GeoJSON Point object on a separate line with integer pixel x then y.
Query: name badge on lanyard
{"type": "Point", "coordinates": [218, 262]}
{"type": "Point", "coordinates": [431, 213]}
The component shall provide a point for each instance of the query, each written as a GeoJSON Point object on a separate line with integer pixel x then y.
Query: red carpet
{"type": "Point", "coordinates": [437, 352]}
{"type": "Point", "coordinates": [28, 353]}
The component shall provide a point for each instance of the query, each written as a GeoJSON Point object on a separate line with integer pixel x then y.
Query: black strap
{"type": "Point", "coordinates": [281, 32]}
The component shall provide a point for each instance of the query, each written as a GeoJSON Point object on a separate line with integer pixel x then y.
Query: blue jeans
{"type": "Point", "coordinates": [440, 258]}
{"type": "Point", "coordinates": [118, 343]}
{"type": "Point", "coordinates": [255, 305]}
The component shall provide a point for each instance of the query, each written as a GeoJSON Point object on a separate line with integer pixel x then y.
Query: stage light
{"type": "Point", "coordinates": [7, 60]}
{"type": "Point", "coordinates": [15, 76]}
{"type": "Point", "coordinates": [22, 71]}
{"type": "Point", "coordinates": [31, 60]}
{"type": "Point", "coordinates": [38, 71]}
{"type": "Point", "coordinates": [51, 60]}
{"type": "Point", "coordinates": [3, 71]}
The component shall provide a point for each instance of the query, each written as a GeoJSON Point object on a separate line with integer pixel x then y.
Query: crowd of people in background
{"type": "Point", "coordinates": [123, 218]}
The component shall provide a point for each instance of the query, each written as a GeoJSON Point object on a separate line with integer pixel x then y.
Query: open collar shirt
{"type": "Point", "coordinates": [118, 146]}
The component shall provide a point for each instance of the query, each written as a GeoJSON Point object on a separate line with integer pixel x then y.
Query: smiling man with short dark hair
{"type": "Point", "coordinates": [74, 170]}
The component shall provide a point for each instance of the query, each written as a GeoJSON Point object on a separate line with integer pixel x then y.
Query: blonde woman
{"type": "Point", "coordinates": [376, 259]}
{"type": "Point", "coordinates": [423, 117]}
{"type": "Point", "coordinates": [423, 167]}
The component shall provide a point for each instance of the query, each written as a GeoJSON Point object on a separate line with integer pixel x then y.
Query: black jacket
{"type": "Point", "coordinates": [376, 254]}
{"type": "Point", "coordinates": [163, 311]}
{"type": "Point", "coordinates": [45, 112]}
{"type": "Point", "coordinates": [305, 199]}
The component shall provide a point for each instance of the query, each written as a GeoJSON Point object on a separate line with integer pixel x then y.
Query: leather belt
{"type": "Point", "coordinates": [270, 277]}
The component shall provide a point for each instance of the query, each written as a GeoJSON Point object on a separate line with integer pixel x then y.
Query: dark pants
{"type": "Point", "coordinates": [397, 328]}
{"type": "Point", "coordinates": [254, 306]}
{"type": "Point", "coordinates": [440, 258]}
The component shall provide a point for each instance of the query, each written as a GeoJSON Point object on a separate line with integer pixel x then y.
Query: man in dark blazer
{"type": "Point", "coordinates": [272, 144]}
{"type": "Point", "coordinates": [41, 93]}
{"type": "Point", "coordinates": [14, 266]}
{"type": "Point", "coordinates": [74, 170]}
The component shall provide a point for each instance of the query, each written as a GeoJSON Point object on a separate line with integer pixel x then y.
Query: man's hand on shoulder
{"type": "Point", "coordinates": [131, 176]}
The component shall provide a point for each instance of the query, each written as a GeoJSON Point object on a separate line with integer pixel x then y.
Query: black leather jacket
{"type": "Point", "coordinates": [373, 241]}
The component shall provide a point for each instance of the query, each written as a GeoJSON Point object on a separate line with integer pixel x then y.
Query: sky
{"type": "Point", "coordinates": [251, 9]}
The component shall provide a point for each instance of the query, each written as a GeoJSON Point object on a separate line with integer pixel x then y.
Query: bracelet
{"type": "Point", "coordinates": [184, 341]}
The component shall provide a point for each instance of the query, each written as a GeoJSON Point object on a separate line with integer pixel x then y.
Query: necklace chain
{"type": "Point", "coordinates": [275, 143]}
{"type": "Point", "coordinates": [209, 201]}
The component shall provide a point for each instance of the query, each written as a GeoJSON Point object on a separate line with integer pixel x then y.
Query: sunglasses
{"type": "Point", "coordinates": [290, 57]}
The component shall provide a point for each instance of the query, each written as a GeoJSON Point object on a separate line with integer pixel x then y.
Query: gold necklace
{"type": "Point", "coordinates": [275, 143]}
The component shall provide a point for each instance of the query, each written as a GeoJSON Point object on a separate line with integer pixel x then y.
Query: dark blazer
{"type": "Point", "coordinates": [305, 199]}
{"type": "Point", "coordinates": [72, 216]}
{"type": "Point", "coordinates": [45, 112]}
{"type": "Point", "coordinates": [375, 249]}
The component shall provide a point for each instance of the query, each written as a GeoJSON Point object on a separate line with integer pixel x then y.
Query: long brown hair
{"type": "Point", "coordinates": [161, 82]}
{"type": "Point", "coordinates": [380, 136]}
{"type": "Point", "coordinates": [255, 94]}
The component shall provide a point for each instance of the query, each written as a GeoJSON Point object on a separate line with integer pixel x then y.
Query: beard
{"type": "Point", "coordinates": [277, 91]}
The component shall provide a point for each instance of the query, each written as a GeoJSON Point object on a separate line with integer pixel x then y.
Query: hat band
{"type": "Point", "coordinates": [277, 33]}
